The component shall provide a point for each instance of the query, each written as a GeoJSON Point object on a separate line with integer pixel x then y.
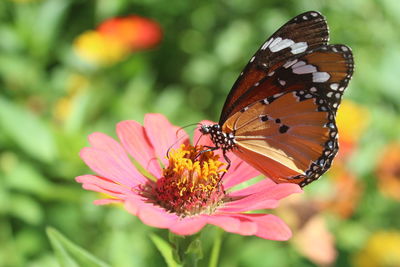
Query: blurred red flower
{"type": "Point", "coordinates": [116, 38]}
{"type": "Point", "coordinates": [135, 32]}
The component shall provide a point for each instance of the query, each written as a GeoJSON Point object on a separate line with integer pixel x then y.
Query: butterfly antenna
{"type": "Point", "coordinates": [180, 138]}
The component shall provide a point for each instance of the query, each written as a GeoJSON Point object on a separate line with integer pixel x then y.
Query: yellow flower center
{"type": "Point", "coordinates": [191, 182]}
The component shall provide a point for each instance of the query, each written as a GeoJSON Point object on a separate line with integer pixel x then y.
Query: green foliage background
{"type": "Point", "coordinates": [205, 45]}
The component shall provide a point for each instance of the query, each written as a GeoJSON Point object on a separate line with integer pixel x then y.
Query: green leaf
{"type": "Point", "coordinates": [165, 249]}
{"type": "Point", "coordinates": [27, 131]}
{"type": "Point", "coordinates": [69, 254]}
{"type": "Point", "coordinates": [26, 208]}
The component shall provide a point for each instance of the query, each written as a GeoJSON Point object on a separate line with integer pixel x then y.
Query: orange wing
{"type": "Point", "coordinates": [327, 70]}
{"type": "Point", "coordinates": [288, 137]}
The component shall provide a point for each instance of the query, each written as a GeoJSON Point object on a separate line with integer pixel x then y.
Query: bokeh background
{"type": "Point", "coordinates": [66, 71]}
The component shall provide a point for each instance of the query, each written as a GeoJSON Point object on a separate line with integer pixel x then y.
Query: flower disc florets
{"type": "Point", "coordinates": [191, 182]}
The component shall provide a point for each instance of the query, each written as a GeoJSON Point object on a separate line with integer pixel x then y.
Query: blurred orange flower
{"type": "Point", "coordinates": [345, 193]}
{"type": "Point", "coordinates": [382, 250]}
{"type": "Point", "coordinates": [388, 171]}
{"type": "Point", "coordinates": [116, 38]}
{"type": "Point", "coordinates": [352, 119]}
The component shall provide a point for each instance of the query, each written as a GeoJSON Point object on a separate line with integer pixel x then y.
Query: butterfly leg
{"type": "Point", "coordinates": [228, 161]}
{"type": "Point", "coordinates": [209, 149]}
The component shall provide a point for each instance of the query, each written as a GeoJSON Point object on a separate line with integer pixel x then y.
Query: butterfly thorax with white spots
{"type": "Point", "coordinates": [225, 141]}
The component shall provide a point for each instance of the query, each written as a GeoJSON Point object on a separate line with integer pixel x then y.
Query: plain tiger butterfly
{"type": "Point", "coordinates": [280, 113]}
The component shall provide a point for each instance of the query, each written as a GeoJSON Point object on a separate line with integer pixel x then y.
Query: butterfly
{"type": "Point", "coordinates": [280, 113]}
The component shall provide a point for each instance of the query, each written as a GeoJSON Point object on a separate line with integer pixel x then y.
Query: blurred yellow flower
{"type": "Point", "coordinates": [99, 49]}
{"type": "Point", "coordinates": [352, 119]}
{"type": "Point", "coordinates": [76, 84]}
{"type": "Point", "coordinates": [388, 171]}
{"type": "Point", "coordinates": [381, 250]}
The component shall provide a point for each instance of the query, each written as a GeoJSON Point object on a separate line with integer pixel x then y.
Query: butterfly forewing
{"type": "Point", "coordinates": [325, 71]}
{"type": "Point", "coordinates": [302, 33]}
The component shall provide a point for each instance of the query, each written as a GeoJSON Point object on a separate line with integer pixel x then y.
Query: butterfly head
{"type": "Point", "coordinates": [225, 141]}
{"type": "Point", "coordinates": [208, 129]}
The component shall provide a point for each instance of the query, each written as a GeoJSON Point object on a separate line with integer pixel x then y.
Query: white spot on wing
{"type": "Point", "coordinates": [313, 89]}
{"type": "Point", "coordinates": [274, 42]}
{"type": "Point", "coordinates": [305, 69]}
{"type": "Point", "coordinates": [281, 45]}
{"type": "Point", "coordinates": [299, 64]}
{"type": "Point", "coordinates": [266, 44]}
{"type": "Point", "coordinates": [252, 59]}
{"type": "Point", "coordinates": [334, 86]}
{"type": "Point", "coordinates": [282, 82]}
{"type": "Point", "coordinates": [289, 63]}
{"type": "Point", "coordinates": [320, 77]}
{"type": "Point", "coordinates": [298, 47]}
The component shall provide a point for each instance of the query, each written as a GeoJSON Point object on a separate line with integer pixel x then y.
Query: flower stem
{"type": "Point", "coordinates": [216, 248]}
{"type": "Point", "coordinates": [187, 249]}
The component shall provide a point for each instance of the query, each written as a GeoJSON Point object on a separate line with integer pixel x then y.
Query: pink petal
{"type": "Point", "coordinates": [107, 201]}
{"type": "Point", "coordinates": [268, 190]}
{"type": "Point", "coordinates": [96, 188]}
{"type": "Point", "coordinates": [249, 203]}
{"type": "Point", "coordinates": [239, 171]}
{"type": "Point", "coordinates": [114, 149]}
{"type": "Point", "coordinates": [188, 226]}
{"type": "Point", "coordinates": [133, 138]}
{"type": "Point", "coordinates": [233, 224]}
{"type": "Point", "coordinates": [105, 165]}
{"type": "Point", "coordinates": [269, 226]}
{"type": "Point", "coordinates": [103, 183]}
{"type": "Point", "coordinates": [163, 135]}
{"type": "Point", "coordinates": [149, 214]}
{"type": "Point", "coordinates": [257, 187]}
{"type": "Point", "coordinates": [263, 199]}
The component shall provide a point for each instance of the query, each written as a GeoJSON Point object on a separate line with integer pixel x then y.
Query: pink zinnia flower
{"type": "Point", "coordinates": [188, 192]}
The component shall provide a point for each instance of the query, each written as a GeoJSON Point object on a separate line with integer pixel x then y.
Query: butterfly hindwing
{"type": "Point", "coordinates": [302, 33]}
{"type": "Point", "coordinates": [290, 137]}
